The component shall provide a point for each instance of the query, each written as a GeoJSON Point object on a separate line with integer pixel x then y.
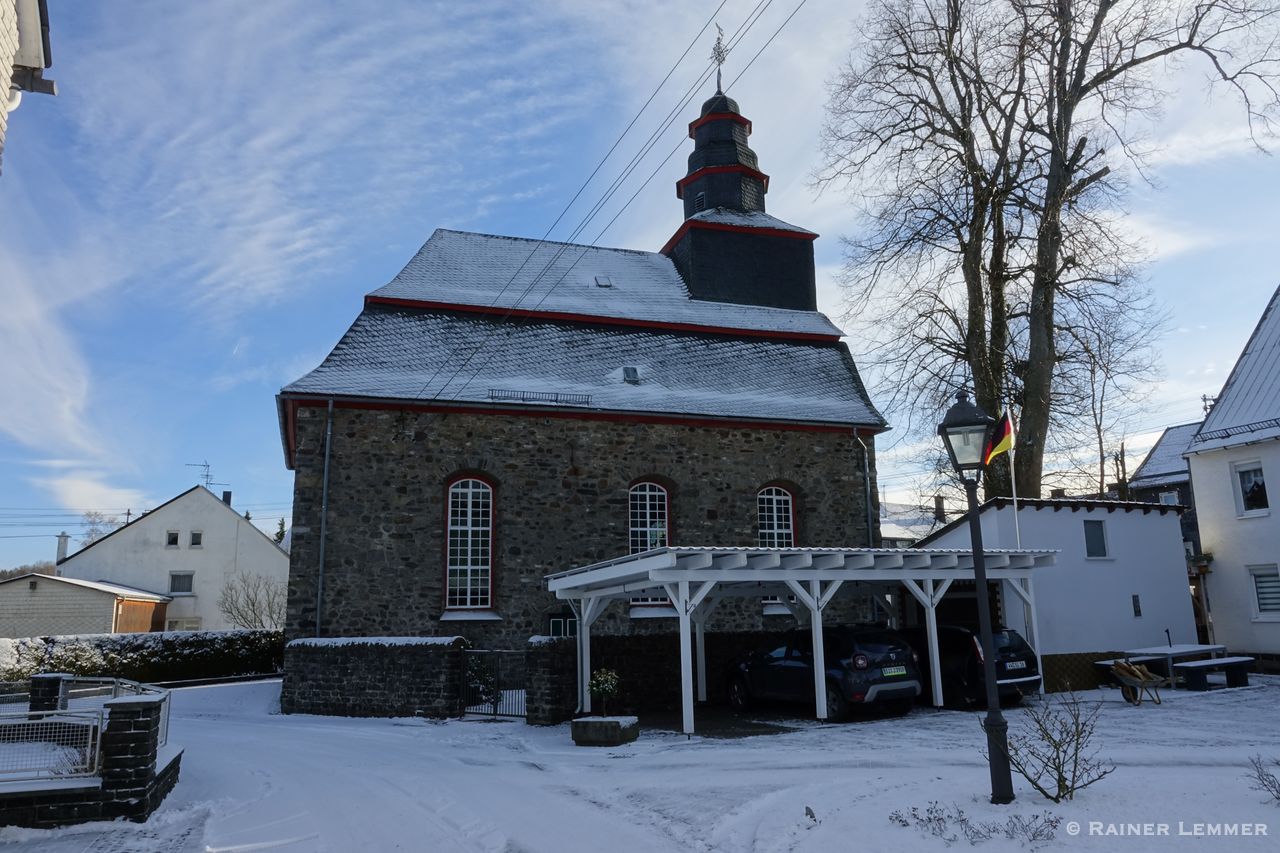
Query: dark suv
{"type": "Point", "coordinates": [866, 666]}
{"type": "Point", "coordinates": [963, 680]}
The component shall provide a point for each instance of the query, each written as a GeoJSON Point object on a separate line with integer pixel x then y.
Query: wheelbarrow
{"type": "Point", "coordinates": [1137, 682]}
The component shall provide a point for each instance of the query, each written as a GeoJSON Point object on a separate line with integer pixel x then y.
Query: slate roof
{"type": "Point", "coordinates": [462, 268]}
{"type": "Point", "coordinates": [747, 218]}
{"type": "Point", "coordinates": [405, 353]}
{"type": "Point", "coordinates": [1248, 408]}
{"type": "Point", "coordinates": [118, 590]}
{"type": "Point", "coordinates": [1165, 464]}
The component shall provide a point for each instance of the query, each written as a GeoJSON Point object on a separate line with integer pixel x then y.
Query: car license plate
{"type": "Point", "coordinates": [894, 670]}
{"type": "Point", "coordinates": [1016, 664]}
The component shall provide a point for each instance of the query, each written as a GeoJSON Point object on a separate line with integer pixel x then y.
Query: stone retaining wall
{"type": "Point", "coordinates": [374, 677]}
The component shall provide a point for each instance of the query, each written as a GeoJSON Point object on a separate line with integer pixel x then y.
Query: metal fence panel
{"type": "Point", "coordinates": [49, 744]}
{"type": "Point", "coordinates": [495, 683]}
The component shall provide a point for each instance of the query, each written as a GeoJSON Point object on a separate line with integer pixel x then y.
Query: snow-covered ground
{"type": "Point", "coordinates": [255, 780]}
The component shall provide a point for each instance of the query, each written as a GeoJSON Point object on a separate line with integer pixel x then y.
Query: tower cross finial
{"type": "Point", "coordinates": [719, 53]}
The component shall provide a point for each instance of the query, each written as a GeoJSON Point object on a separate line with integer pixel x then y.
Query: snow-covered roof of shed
{"type": "Point", "coordinates": [119, 590]}
{"type": "Point", "coordinates": [402, 353]}
{"type": "Point", "coordinates": [486, 271]}
{"type": "Point", "coordinates": [1248, 408]}
{"type": "Point", "coordinates": [1165, 465]}
{"type": "Point", "coordinates": [747, 219]}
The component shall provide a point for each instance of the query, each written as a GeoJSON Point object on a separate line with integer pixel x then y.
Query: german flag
{"type": "Point", "coordinates": [1001, 440]}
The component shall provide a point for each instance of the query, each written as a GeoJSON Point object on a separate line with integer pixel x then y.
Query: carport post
{"type": "Point", "coordinates": [701, 637]}
{"type": "Point", "coordinates": [819, 652]}
{"type": "Point", "coordinates": [686, 651]}
{"type": "Point", "coordinates": [928, 600]}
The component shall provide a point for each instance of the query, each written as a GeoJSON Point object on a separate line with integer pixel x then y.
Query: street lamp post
{"type": "Point", "coordinates": [965, 431]}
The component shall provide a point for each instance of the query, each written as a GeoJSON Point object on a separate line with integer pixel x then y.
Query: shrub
{"type": "Point", "coordinates": [170, 656]}
{"type": "Point", "coordinates": [1053, 748]}
{"type": "Point", "coordinates": [1263, 779]}
{"type": "Point", "coordinates": [950, 824]}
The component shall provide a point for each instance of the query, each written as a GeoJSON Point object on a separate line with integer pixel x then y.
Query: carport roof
{"type": "Point", "coordinates": [748, 571]}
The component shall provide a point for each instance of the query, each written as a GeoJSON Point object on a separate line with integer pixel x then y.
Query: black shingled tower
{"type": "Point", "coordinates": [729, 249]}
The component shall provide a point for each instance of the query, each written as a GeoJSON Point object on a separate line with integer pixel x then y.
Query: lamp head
{"type": "Point", "coordinates": [965, 431]}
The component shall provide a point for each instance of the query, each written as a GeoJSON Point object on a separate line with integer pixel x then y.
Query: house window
{"type": "Point", "coordinates": [182, 624]}
{"type": "Point", "coordinates": [563, 626]}
{"type": "Point", "coordinates": [1266, 589]}
{"type": "Point", "coordinates": [1169, 498]}
{"type": "Point", "coordinates": [171, 539]}
{"type": "Point", "coordinates": [1095, 539]}
{"type": "Point", "coordinates": [1137, 606]}
{"type": "Point", "coordinates": [197, 539]}
{"type": "Point", "coordinates": [777, 518]}
{"type": "Point", "coordinates": [182, 583]}
{"type": "Point", "coordinates": [648, 506]}
{"type": "Point", "coordinates": [470, 561]}
{"type": "Point", "coordinates": [1252, 488]}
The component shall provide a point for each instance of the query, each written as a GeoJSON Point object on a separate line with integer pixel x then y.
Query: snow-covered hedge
{"type": "Point", "coordinates": [168, 656]}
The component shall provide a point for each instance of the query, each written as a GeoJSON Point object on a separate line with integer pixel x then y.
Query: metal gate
{"type": "Point", "coordinates": [495, 683]}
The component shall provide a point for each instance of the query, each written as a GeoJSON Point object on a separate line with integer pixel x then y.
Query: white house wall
{"type": "Point", "coordinates": [1237, 543]}
{"type": "Point", "coordinates": [1084, 604]}
{"type": "Point", "coordinates": [53, 608]}
{"type": "Point", "coordinates": [137, 556]}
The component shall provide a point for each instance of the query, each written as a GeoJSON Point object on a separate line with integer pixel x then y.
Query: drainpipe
{"type": "Point", "coordinates": [866, 484]}
{"type": "Point", "coordinates": [324, 512]}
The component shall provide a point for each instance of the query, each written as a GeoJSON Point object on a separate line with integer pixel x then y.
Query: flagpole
{"type": "Point", "coordinates": [1013, 479]}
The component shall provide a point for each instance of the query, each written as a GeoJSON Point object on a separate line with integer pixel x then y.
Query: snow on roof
{"type": "Point", "coordinates": [1248, 407]}
{"type": "Point", "coordinates": [375, 641]}
{"type": "Point", "coordinates": [463, 268]}
{"type": "Point", "coordinates": [421, 354]}
{"type": "Point", "coordinates": [1165, 465]}
{"type": "Point", "coordinates": [118, 590]}
{"type": "Point", "coordinates": [1075, 505]}
{"type": "Point", "coordinates": [747, 218]}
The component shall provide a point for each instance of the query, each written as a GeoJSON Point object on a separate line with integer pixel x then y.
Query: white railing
{"type": "Point", "coordinates": [90, 692]}
{"type": "Point", "coordinates": [50, 744]}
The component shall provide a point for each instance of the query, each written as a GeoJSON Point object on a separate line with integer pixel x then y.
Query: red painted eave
{"type": "Point", "coordinates": [741, 229]}
{"type": "Point", "coordinates": [710, 117]}
{"type": "Point", "coordinates": [714, 170]}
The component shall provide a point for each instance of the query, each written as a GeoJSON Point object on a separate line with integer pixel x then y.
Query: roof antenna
{"type": "Point", "coordinates": [207, 476]}
{"type": "Point", "coordinates": [719, 53]}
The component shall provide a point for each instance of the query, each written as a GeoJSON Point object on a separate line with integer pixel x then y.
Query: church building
{"type": "Point", "coordinates": [506, 408]}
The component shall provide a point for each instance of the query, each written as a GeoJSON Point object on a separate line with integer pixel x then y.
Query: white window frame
{"type": "Point", "coordinates": [643, 534]}
{"type": "Point", "coordinates": [468, 576]}
{"type": "Point", "coordinates": [175, 536]}
{"type": "Point", "coordinates": [1260, 615]}
{"type": "Point", "coordinates": [191, 539]}
{"type": "Point", "coordinates": [189, 624]}
{"type": "Point", "coordinates": [1170, 498]}
{"type": "Point", "coordinates": [562, 626]}
{"type": "Point", "coordinates": [771, 534]}
{"type": "Point", "coordinates": [1106, 540]}
{"type": "Point", "coordinates": [175, 592]}
{"type": "Point", "coordinates": [1237, 488]}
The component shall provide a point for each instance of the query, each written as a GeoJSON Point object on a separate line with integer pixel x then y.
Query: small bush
{"type": "Point", "coordinates": [170, 656]}
{"type": "Point", "coordinates": [949, 824]}
{"type": "Point", "coordinates": [1263, 779]}
{"type": "Point", "coordinates": [1053, 747]}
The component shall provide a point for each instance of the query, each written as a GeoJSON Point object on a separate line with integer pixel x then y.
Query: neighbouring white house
{"type": "Point", "coordinates": [1119, 581]}
{"type": "Point", "coordinates": [24, 55]}
{"type": "Point", "coordinates": [189, 549]}
{"type": "Point", "coordinates": [36, 605]}
{"type": "Point", "coordinates": [1231, 457]}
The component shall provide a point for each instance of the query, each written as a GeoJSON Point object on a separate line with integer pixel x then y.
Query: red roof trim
{"type": "Point", "coordinates": [595, 319]}
{"type": "Point", "coordinates": [714, 170]}
{"type": "Point", "coordinates": [741, 229]}
{"type": "Point", "coordinates": [710, 117]}
{"type": "Point", "coordinates": [294, 403]}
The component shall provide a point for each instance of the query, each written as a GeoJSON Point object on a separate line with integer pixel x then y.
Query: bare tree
{"type": "Point", "coordinates": [96, 525]}
{"type": "Point", "coordinates": [41, 567]}
{"type": "Point", "coordinates": [253, 602]}
{"type": "Point", "coordinates": [986, 144]}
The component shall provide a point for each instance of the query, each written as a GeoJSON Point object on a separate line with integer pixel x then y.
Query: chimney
{"type": "Point", "coordinates": [63, 539]}
{"type": "Point", "coordinates": [939, 511]}
{"type": "Point", "coordinates": [1057, 493]}
{"type": "Point", "coordinates": [226, 497]}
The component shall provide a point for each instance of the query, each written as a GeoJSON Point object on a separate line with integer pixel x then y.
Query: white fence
{"type": "Point", "coordinates": [50, 744]}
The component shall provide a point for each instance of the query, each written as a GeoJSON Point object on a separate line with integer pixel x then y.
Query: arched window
{"type": "Point", "coordinates": [648, 513]}
{"type": "Point", "coordinates": [469, 572]}
{"type": "Point", "coordinates": [647, 505]}
{"type": "Point", "coordinates": [777, 518]}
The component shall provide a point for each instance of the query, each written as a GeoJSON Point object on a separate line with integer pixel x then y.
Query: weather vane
{"type": "Point", "coordinates": [719, 53]}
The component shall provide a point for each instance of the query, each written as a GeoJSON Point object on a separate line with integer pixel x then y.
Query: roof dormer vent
{"type": "Point", "coordinates": [604, 281]}
{"type": "Point", "coordinates": [631, 375]}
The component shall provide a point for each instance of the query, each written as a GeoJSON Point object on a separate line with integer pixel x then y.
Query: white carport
{"type": "Point", "coordinates": [697, 579]}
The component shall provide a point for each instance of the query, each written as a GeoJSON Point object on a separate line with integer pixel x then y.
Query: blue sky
{"type": "Point", "coordinates": [193, 221]}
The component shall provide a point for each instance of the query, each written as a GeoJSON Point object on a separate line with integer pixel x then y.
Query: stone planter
{"type": "Point", "coordinates": [605, 731]}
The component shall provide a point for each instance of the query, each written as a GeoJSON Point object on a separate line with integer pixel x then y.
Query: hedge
{"type": "Point", "coordinates": [168, 656]}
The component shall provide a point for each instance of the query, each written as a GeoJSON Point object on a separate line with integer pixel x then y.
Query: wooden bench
{"type": "Point", "coordinates": [1195, 671]}
{"type": "Point", "coordinates": [1106, 676]}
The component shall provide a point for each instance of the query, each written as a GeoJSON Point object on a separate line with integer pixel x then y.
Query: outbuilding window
{"type": "Point", "coordinates": [1266, 588]}
{"type": "Point", "coordinates": [1095, 539]}
{"type": "Point", "coordinates": [647, 510]}
{"type": "Point", "coordinates": [469, 572]}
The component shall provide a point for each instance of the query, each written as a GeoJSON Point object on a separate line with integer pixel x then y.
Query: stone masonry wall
{"type": "Point", "coordinates": [551, 686]}
{"type": "Point", "coordinates": [373, 679]}
{"type": "Point", "coordinates": [561, 490]}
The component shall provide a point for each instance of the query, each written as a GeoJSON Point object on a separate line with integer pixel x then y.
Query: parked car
{"type": "Point", "coordinates": [866, 666]}
{"type": "Point", "coordinates": [963, 677]}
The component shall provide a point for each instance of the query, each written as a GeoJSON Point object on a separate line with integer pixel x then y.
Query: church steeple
{"type": "Point", "coordinates": [723, 170]}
